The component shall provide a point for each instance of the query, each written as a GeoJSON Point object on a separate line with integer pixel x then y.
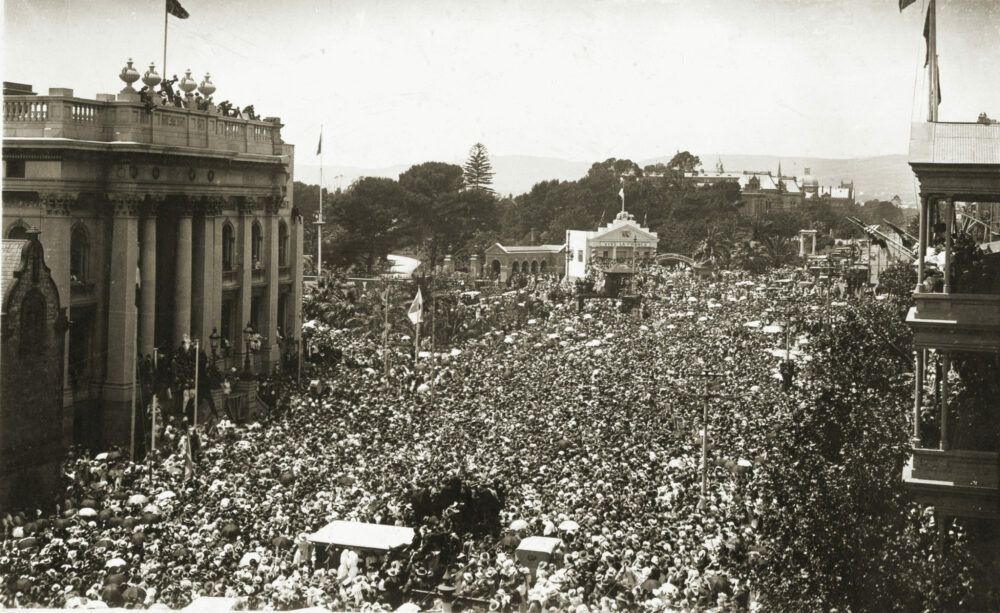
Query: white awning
{"type": "Point", "coordinates": [359, 535]}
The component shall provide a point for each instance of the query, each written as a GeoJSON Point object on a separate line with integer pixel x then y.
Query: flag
{"type": "Point", "coordinates": [905, 3]}
{"type": "Point", "coordinates": [416, 313]}
{"type": "Point", "coordinates": [174, 8]}
{"type": "Point", "coordinates": [927, 38]}
{"type": "Point", "coordinates": [319, 147]}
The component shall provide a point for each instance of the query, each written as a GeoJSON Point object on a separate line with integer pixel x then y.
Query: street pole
{"type": "Point", "coordinates": [319, 220]}
{"type": "Point", "coordinates": [707, 395]}
{"type": "Point", "coordinates": [197, 345]}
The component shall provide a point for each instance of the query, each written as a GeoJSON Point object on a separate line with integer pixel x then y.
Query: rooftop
{"type": "Point", "coordinates": [955, 143]}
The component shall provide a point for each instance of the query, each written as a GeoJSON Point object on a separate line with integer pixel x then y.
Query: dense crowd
{"type": "Point", "coordinates": [544, 421]}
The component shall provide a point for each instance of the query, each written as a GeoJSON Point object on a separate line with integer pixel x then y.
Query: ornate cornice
{"type": "Point", "coordinates": [272, 204]}
{"type": "Point", "coordinates": [124, 204]}
{"type": "Point", "coordinates": [58, 203]}
{"type": "Point", "coordinates": [249, 205]}
{"type": "Point", "coordinates": [211, 206]}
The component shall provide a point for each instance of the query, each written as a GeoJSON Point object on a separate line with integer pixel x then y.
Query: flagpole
{"type": "Point", "coordinates": [135, 368]}
{"type": "Point", "coordinates": [165, 14]}
{"type": "Point", "coordinates": [197, 344]}
{"type": "Point", "coordinates": [932, 109]}
{"type": "Point", "coordinates": [319, 223]}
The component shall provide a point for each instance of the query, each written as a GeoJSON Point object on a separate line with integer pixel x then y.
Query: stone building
{"type": "Point", "coordinates": [502, 261]}
{"type": "Point", "coordinates": [622, 240]}
{"type": "Point", "coordinates": [159, 221]}
{"type": "Point", "coordinates": [32, 333]}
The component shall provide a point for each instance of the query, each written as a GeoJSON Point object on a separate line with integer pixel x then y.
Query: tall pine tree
{"type": "Point", "coordinates": [478, 170]}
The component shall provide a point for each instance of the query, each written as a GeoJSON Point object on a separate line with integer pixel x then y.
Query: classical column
{"type": "Point", "coordinates": [949, 220]}
{"type": "Point", "coordinates": [207, 275]}
{"type": "Point", "coordinates": [298, 269]}
{"type": "Point", "coordinates": [945, 389]}
{"type": "Point", "coordinates": [814, 243]}
{"type": "Point", "coordinates": [147, 274]}
{"type": "Point", "coordinates": [122, 315]}
{"type": "Point", "coordinates": [56, 228]}
{"type": "Point", "coordinates": [272, 351]}
{"type": "Point", "coordinates": [247, 209]}
{"type": "Point", "coordinates": [922, 241]}
{"type": "Point", "coordinates": [802, 245]}
{"type": "Point", "coordinates": [183, 275]}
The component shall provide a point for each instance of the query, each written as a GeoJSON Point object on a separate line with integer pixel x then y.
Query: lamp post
{"type": "Point", "coordinates": [213, 340]}
{"type": "Point", "coordinates": [247, 339]}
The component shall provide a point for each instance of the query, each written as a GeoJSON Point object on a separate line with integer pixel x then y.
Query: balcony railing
{"type": "Point", "coordinates": [967, 322]}
{"type": "Point", "coordinates": [285, 272]}
{"type": "Point", "coordinates": [63, 116]}
{"type": "Point", "coordinates": [957, 482]}
{"type": "Point", "coordinates": [231, 277]}
{"type": "Point", "coordinates": [259, 275]}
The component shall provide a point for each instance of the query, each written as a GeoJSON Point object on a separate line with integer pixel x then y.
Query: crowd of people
{"type": "Point", "coordinates": [545, 420]}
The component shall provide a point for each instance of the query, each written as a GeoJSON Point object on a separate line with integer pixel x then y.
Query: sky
{"type": "Point", "coordinates": [401, 81]}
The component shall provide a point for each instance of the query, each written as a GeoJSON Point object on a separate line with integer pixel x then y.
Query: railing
{"type": "Point", "coordinates": [259, 275]}
{"type": "Point", "coordinates": [85, 113]}
{"type": "Point", "coordinates": [231, 277]}
{"type": "Point", "coordinates": [61, 116]}
{"type": "Point", "coordinates": [957, 467]}
{"type": "Point", "coordinates": [285, 271]}
{"type": "Point", "coordinates": [25, 110]}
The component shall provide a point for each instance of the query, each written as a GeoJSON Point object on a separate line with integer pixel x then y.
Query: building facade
{"type": "Point", "coordinates": [502, 261]}
{"type": "Point", "coordinates": [160, 222]}
{"type": "Point", "coordinates": [622, 240]}
{"type": "Point", "coordinates": [763, 192]}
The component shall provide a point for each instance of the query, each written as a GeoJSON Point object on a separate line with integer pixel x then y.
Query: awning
{"type": "Point", "coordinates": [359, 535]}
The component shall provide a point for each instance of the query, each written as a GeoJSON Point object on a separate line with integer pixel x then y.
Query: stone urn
{"type": "Point", "coordinates": [151, 79]}
{"type": "Point", "coordinates": [187, 84]}
{"type": "Point", "coordinates": [130, 75]}
{"type": "Point", "coordinates": [207, 88]}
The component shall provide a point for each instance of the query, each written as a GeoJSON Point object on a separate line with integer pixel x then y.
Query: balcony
{"type": "Point", "coordinates": [956, 322]}
{"type": "Point", "coordinates": [957, 482]}
{"type": "Point", "coordinates": [285, 273]}
{"type": "Point", "coordinates": [259, 274]}
{"type": "Point", "coordinates": [231, 278]}
{"type": "Point", "coordinates": [61, 115]}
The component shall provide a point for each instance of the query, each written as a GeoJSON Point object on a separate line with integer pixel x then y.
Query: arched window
{"type": "Point", "coordinates": [534, 267]}
{"type": "Point", "coordinates": [79, 254]}
{"type": "Point", "coordinates": [33, 323]}
{"type": "Point", "coordinates": [18, 232]}
{"type": "Point", "coordinates": [228, 246]}
{"type": "Point", "coordinates": [543, 267]}
{"type": "Point", "coordinates": [256, 244]}
{"type": "Point", "coordinates": [495, 268]}
{"type": "Point", "coordinates": [282, 243]}
{"type": "Point", "coordinates": [514, 267]}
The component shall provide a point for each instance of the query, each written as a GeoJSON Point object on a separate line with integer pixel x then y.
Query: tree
{"type": "Point", "coordinates": [371, 215]}
{"type": "Point", "coordinates": [684, 161]}
{"type": "Point", "coordinates": [779, 250]}
{"type": "Point", "coordinates": [714, 248]}
{"type": "Point", "coordinates": [478, 170]}
{"type": "Point", "coordinates": [440, 217]}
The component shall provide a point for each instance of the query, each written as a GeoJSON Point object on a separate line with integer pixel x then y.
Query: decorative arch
{"type": "Point", "coordinates": [228, 245]}
{"type": "Point", "coordinates": [674, 257]}
{"type": "Point", "coordinates": [18, 230]}
{"type": "Point", "coordinates": [514, 267]}
{"type": "Point", "coordinates": [543, 267]}
{"type": "Point", "coordinates": [495, 268]}
{"type": "Point", "coordinates": [534, 267]}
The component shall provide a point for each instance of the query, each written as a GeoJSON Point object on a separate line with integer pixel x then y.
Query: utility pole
{"type": "Point", "coordinates": [709, 389]}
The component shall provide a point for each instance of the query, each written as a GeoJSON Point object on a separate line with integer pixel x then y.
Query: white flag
{"type": "Point", "coordinates": [416, 313]}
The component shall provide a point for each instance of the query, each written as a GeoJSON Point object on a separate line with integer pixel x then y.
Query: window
{"type": "Point", "coordinates": [579, 255]}
{"type": "Point", "coordinates": [256, 244]}
{"type": "Point", "coordinates": [18, 232]}
{"type": "Point", "coordinates": [79, 251]}
{"type": "Point", "coordinates": [604, 254]}
{"type": "Point", "coordinates": [282, 243]}
{"type": "Point", "coordinates": [514, 267]}
{"type": "Point", "coordinates": [14, 169]}
{"type": "Point", "coordinates": [228, 246]}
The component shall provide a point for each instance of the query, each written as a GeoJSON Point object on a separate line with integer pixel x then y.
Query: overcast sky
{"type": "Point", "coordinates": [405, 81]}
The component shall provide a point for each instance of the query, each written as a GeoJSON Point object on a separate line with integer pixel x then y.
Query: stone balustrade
{"type": "Point", "coordinates": [109, 120]}
{"type": "Point", "coordinates": [963, 322]}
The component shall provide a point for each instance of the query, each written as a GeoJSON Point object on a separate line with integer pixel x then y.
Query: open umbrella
{"type": "Point", "coordinates": [137, 499]}
{"type": "Point", "coordinates": [114, 563]}
{"type": "Point", "coordinates": [164, 495]}
{"type": "Point", "coordinates": [569, 525]}
{"type": "Point", "coordinates": [101, 456]}
{"type": "Point", "coordinates": [87, 512]}
{"type": "Point", "coordinates": [250, 557]}
{"type": "Point", "coordinates": [518, 524]}
{"type": "Point", "coordinates": [105, 542]}
{"type": "Point", "coordinates": [281, 542]}
{"type": "Point", "coordinates": [151, 508]}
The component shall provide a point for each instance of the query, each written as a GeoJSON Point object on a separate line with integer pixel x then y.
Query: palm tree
{"type": "Point", "coordinates": [714, 248]}
{"type": "Point", "coordinates": [778, 250]}
{"type": "Point", "coordinates": [748, 256]}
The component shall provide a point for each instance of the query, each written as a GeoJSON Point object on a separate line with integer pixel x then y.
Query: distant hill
{"type": "Point", "coordinates": [879, 177]}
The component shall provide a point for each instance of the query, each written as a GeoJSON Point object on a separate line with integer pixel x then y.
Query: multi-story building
{"type": "Point", "coordinates": [764, 192]}
{"type": "Point", "coordinates": [954, 464]}
{"type": "Point", "coordinates": [159, 222]}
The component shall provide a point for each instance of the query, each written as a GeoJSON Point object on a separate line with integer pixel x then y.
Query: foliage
{"type": "Point", "coordinates": [371, 216]}
{"type": "Point", "coordinates": [898, 280]}
{"type": "Point", "coordinates": [478, 169]}
{"type": "Point", "coordinates": [844, 534]}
